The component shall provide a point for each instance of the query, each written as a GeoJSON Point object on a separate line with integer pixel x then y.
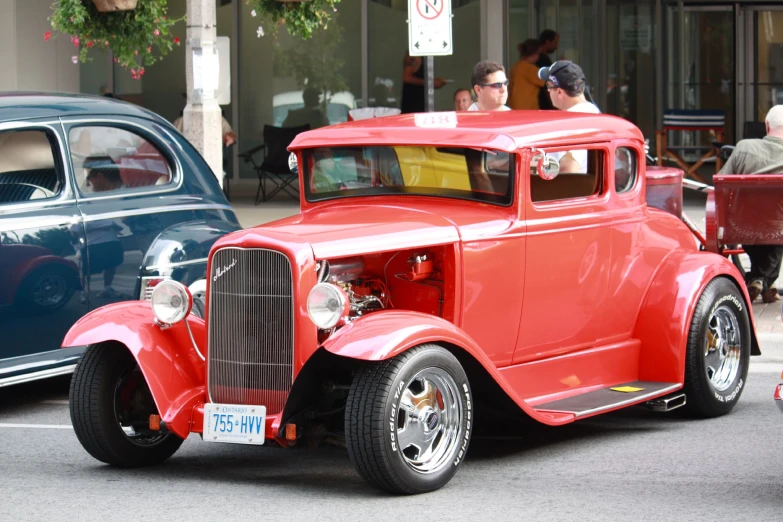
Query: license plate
{"type": "Point", "coordinates": [236, 423]}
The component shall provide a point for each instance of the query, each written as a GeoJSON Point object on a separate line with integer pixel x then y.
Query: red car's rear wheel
{"type": "Point", "coordinates": [718, 353]}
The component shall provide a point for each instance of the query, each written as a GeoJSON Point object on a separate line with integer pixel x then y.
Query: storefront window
{"type": "Point", "coordinates": [286, 81]}
{"type": "Point", "coordinates": [769, 62]}
{"type": "Point", "coordinates": [388, 43]}
{"type": "Point", "coordinates": [518, 27]}
{"type": "Point", "coordinates": [630, 87]}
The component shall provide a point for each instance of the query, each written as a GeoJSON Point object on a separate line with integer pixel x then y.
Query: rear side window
{"type": "Point", "coordinates": [581, 176]}
{"type": "Point", "coordinates": [28, 170]}
{"type": "Point", "coordinates": [109, 160]}
{"type": "Point", "coordinates": [625, 169]}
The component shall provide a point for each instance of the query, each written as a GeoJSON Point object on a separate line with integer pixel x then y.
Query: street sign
{"type": "Point", "coordinates": [429, 28]}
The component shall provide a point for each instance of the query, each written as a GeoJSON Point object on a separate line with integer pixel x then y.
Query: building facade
{"type": "Point", "coordinates": [640, 58]}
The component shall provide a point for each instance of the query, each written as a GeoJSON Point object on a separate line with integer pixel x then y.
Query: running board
{"type": "Point", "coordinates": [610, 398]}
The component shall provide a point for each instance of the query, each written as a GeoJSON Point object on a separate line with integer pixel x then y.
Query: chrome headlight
{"type": "Point", "coordinates": [327, 305]}
{"type": "Point", "coordinates": [171, 302]}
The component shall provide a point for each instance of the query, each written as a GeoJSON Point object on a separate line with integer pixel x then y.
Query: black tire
{"type": "Point", "coordinates": [47, 289]}
{"type": "Point", "coordinates": [376, 396]}
{"type": "Point", "coordinates": [721, 303]}
{"type": "Point", "coordinates": [94, 390]}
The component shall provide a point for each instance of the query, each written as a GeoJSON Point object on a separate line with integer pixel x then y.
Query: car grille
{"type": "Point", "coordinates": [251, 328]}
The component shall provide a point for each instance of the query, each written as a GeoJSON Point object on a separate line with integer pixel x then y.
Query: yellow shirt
{"type": "Point", "coordinates": [525, 83]}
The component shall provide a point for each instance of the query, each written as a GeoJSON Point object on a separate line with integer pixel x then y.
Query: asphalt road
{"type": "Point", "coordinates": [630, 465]}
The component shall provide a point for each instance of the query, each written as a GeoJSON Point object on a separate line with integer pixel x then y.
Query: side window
{"type": "Point", "coordinates": [581, 175]}
{"type": "Point", "coordinates": [625, 169]}
{"type": "Point", "coordinates": [110, 159]}
{"type": "Point", "coordinates": [28, 170]}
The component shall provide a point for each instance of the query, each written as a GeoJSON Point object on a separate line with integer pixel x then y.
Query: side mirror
{"type": "Point", "coordinates": [293, 163]}
{"type": "Point", "coordinates": [547, 167]}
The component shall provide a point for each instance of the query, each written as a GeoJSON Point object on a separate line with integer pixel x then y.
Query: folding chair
{"type": "Point", "coordinates": [274, 166]}
{"type": "Point", "coordinates": [690, 120]}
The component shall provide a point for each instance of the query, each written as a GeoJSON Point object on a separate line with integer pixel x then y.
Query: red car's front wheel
{"type": "Point", "coordinates": [111, 405]}
{"type": "Point", "coordinates": [409, 419]}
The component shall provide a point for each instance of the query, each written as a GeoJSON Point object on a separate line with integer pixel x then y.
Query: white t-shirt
{"type": "Point", "coordinates": [475, 107]}
{"type": "Point", "coordinates": [579, 155]}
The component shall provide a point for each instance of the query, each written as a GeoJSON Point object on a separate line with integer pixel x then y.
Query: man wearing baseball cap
{"type": "Point", "coordinates": [566, 84]}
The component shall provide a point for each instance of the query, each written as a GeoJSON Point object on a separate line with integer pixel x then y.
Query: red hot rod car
{"type": "Point", "coordinates": [441, 264]}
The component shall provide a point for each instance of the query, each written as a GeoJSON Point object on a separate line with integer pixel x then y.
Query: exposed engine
{"type": "Point", "coordinates": [406, 279]}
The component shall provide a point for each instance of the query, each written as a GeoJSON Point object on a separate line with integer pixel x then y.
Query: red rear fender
{"type": "Point", "coordinates": [171, 365]}
{"type": "Point", "coordinates": [664, 319]}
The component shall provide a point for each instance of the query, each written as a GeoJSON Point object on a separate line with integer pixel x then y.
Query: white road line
{"type": "Point", "coordinates": [39, 426]}
{"type": "Point", "coordinates": [63, 402]}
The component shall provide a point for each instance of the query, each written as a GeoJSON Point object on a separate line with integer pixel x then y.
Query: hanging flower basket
{"type": "Point", "coordinates": [108, 6]}
{"type": "Point", "coordinates": [300, 17]}
{"type": "Point", "coordinates": [137, 38]}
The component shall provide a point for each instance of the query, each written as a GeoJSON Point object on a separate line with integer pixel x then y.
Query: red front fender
{"type": "Point", "coordinates": [382, 335]}
{"type": "Point", "coordinates": [173, 369]}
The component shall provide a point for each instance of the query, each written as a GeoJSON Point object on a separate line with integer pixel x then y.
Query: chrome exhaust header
{"type": "Point", "coordinates": [668, 403]}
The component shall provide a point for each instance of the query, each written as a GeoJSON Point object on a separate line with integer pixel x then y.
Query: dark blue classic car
{"type": "Point", "coordinates": [99, 201]}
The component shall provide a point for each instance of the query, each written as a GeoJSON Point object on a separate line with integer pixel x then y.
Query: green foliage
{"type": "Point", "coordinates": [136, 38]}
{"type": "Point", "coordinates": [315, 62]}
{"type": "Point", "coordinates": [300, 18]}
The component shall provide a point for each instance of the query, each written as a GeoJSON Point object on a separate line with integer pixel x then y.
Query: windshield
{"type": "Point", "coordinates": [481, 175]}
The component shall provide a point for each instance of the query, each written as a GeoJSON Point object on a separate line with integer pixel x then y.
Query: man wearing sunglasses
{"type": "Point", "coordinates": [491, 87]}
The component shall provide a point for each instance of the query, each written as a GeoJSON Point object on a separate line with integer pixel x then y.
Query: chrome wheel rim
{"type": "Point", "coordinates": [429, 420]}
{"type": "Point", "coordinates": [49, 290]}
{"type": "Point", "coordinates": [723, 348]}
{"type": "Point", "coordinates": [130, 411]}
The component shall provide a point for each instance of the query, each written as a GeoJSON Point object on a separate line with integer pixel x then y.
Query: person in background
{"type": "Point", "coordinates": [761, 156]}
{"type": "Point", "coordinates": [490, 86]}
{"type": "Point", "coordinates": [311, 114]}
{"type": "Point", "coordinates": [229, 138]}
{"type": "Point", "coordinates": [104, 249]}
{"type": "Point", "coordinates": [549, 41]}
{"type": "Point", "coordinates": [380, 96]}
{"type": "Point", "coordinates": [106, 93]}
{"type": "Point", "coordinates": [413, 85]}
{"type": "Point", "coordinates": [566, 84]}
{"type": "Point", "coordinates": [462, 99]}
{"type": "Point", "coordinates": [525, 84]}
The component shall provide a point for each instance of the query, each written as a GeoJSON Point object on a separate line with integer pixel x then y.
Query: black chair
{"type": "Point", "coordinates": [274, 166]}
{"type": "Point", "coordinates": [754, 130]}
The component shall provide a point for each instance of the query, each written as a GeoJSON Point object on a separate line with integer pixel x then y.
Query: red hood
{"type": "Point", "coordinates": [340, 230]}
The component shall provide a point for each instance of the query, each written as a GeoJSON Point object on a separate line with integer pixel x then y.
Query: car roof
{"type": "Point", "coordinates": [502, 130]}
{"type": "Point", "coordinates": [15, 106]}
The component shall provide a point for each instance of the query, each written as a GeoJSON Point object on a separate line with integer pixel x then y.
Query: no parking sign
{"type": "Point", "coordinates": [429, 27]}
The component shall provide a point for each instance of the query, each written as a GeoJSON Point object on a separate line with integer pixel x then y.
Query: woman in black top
{"type": "Point", "coordinates": [413, 84]}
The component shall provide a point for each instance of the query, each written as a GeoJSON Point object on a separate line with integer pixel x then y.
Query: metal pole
{"type": "Point", "coordinates": [202, 120]}
{"type": "Point", "coordinates": [429, 83]}
{"type": "Point", "coordinates": [365, 54]}
{"type": "Point", "coordinates": [235, 117]}
{"type": "Point", "coordinates": [659, 71]}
